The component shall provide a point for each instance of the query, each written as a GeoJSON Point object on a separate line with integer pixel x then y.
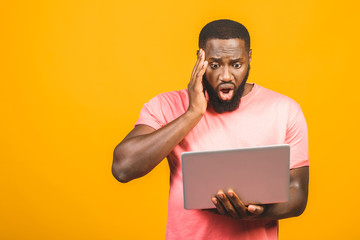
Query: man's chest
{"type": "Point", "coordinates": [217, 133]}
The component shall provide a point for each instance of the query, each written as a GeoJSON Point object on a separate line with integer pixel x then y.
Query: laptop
{"type": "Point", "coordinates": [258, 175]}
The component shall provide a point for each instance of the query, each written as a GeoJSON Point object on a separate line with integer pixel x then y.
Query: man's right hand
{"type": "Point", "coordinates": [197, 99]}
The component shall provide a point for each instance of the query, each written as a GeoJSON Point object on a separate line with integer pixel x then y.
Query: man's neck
{"type": "Point", "coordinates": [248, 88]}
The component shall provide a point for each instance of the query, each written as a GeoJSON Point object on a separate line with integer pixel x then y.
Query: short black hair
{"type": "Point", "coordinates": [224, 29]}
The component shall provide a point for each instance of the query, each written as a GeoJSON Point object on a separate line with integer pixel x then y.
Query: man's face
{"type": "Point", "coordinates": [227, 72]}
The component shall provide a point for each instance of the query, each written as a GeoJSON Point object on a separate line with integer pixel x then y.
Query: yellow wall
{"type": "Point", "coordinates": [75, 74]}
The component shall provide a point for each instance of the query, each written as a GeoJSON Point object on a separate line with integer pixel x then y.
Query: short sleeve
{"type": "Point", "coordinates": [151, 114]}
{"type": "Point", "coordinates": [297, 138]}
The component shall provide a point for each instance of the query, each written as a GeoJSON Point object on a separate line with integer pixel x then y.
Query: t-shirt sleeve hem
{"type": "Point", "coordinates": [152, 124]}
{"type": "Point", "coordinates": [301, 163]}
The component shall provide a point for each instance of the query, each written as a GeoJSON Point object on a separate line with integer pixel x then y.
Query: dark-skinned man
{"type": "Point", "coordinates": [219, 110]}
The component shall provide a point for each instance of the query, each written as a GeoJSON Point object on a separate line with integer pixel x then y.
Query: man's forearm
{"type": "Point", "coordinates": [299, 181]}
{"type": "Point", "coordinates": [137, 155]}
{"type": "Point", "coordinates": [293, 208]}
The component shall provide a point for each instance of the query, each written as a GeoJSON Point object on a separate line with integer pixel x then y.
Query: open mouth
{"type": "Point", "coordinates": [226, 91]}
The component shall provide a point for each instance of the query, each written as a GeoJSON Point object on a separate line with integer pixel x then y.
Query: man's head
{"type": "Point", "coordinates": [224, 29]}
{"type": "Point", "coordinates": [227, 49]}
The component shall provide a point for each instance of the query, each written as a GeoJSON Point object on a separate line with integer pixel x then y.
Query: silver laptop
{"type": "Point", "coordinates": [258, 175]}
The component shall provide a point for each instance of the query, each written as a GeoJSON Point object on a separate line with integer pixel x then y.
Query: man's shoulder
{"type": "Point", "coordinates": [172, 96]}
{"type": "Point", "coordinates": [272, 96]}
{"type": "Point", "coordinates": [175, 93]}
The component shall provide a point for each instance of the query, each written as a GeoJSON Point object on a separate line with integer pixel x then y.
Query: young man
{"type": "Point", "coordinates": [219, 110]}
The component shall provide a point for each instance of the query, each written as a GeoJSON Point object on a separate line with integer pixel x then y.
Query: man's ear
{"type": "Point", "coordinates": [250, 55]}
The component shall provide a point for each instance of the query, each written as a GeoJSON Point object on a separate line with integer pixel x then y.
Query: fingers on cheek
{"type": "Point", "coordinates": [205, 65]}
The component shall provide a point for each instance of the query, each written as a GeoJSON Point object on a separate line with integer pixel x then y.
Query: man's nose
{"type": "Point", "coordinates": [225, 74]}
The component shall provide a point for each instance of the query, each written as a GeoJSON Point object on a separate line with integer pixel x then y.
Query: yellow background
{"type": "Point", "coordinates": [75, 74]}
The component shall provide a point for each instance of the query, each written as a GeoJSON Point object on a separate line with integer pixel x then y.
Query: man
{"type": "Point", "coordinates": [219, 110]}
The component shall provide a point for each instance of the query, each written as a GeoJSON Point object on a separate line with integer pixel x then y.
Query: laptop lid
{"type": "Point", "coordinates": [258, 175]}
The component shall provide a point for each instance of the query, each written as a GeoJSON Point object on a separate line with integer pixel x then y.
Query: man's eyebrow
{"type": "Point", "coordinates": [215, 59]}
{"type": "Point", "coordinates": [232, 60]}
{"type": "Point", "coordinates": [237, 59]}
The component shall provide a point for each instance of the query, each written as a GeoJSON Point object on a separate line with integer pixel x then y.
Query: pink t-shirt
{"type": "Point", "coordinates": [264, 117]}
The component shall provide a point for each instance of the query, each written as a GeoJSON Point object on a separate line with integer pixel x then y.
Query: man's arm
{"type": "Point", "coordinates": [299, 182]}
{"type": "Point", "coordinates": [230, 204]}
{"type": "Point", "coordinates": [144, 147]}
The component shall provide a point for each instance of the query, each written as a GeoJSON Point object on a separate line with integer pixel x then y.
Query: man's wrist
{"type": "Point", "coordinates": [193, 116]}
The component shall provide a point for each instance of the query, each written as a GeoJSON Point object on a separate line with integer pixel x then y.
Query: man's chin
{"type": "Point", "coordinates": [221, 106]}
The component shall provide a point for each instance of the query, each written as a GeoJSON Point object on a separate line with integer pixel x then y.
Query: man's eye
{"type": "Point", "coordinates": [214, 65]}
{"type": "Point", "coordinates": [237, 65]}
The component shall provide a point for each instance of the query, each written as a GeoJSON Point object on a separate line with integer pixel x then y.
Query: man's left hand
{"type": "Point", "coordinates": [229, 204]}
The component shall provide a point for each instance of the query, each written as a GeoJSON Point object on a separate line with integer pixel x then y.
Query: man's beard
{"type": "Point", "coordinates": [220, 105]}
